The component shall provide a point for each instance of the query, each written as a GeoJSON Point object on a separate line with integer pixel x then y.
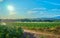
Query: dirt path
{"type": "Point", "coordinates": [37, 34]}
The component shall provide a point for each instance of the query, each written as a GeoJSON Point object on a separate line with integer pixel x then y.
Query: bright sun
{"type": "Point", "coordinates": [10, 8]}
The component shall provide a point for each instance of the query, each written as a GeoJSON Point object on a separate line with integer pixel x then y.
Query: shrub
{"type": "Point", "coordinates": [10, 31]}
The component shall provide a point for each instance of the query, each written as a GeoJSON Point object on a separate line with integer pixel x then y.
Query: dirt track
{"type": "Point", "coordinates": [34, 34]}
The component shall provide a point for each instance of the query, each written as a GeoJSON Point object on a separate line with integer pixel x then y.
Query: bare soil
{"type": "Point", "coordinates": [37, 34]}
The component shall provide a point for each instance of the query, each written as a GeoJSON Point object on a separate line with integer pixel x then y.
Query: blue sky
{"type": "Point", "coordinates": [17, 9]}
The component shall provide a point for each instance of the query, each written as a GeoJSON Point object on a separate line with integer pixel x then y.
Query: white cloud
{"type": "Point", "coordinates": [55, 10]}
{"type": "Point", "coordinates": [37, 10]}
{"type": "Point", "coordinates": [51, 3]}
{"type": "Point", "coordinates": [44, 12]}
{"type": "Point", "coordinates": [32, 12]}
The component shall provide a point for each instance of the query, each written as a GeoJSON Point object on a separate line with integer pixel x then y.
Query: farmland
{"type": "Point", "coordinates": [38, 26]}
{"type": "Point", "coordinates": [46, 27]}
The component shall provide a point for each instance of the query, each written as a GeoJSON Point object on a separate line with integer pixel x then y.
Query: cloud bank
{"type": "Point", "coordinates": [44, 12]}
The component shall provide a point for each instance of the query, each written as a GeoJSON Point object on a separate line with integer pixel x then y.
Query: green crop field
{"type": "Point", "coordinates": [39, 26]}
{"type": "Point", "coordinates": [14, 28]}
{"type": "Point", "coordinates": [36, 24]}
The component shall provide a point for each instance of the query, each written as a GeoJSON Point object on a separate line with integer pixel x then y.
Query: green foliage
{"type": "Point", "coordinates": [37, 25]}
{"type": "Point", "coordinates": [7, 31]}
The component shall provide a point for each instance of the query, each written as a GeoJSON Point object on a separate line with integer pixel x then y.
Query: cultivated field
{"type": "Point", "coordinates": [40, 27]}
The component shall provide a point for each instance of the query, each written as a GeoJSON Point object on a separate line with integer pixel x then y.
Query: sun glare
{"type": "Point", "coordinates": [10, 8]}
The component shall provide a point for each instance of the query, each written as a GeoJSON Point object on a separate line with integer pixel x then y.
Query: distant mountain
{"type": "Point", "coordinates": [57, 17]}
{"type": "Point", "coordinates": [47, 18]}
